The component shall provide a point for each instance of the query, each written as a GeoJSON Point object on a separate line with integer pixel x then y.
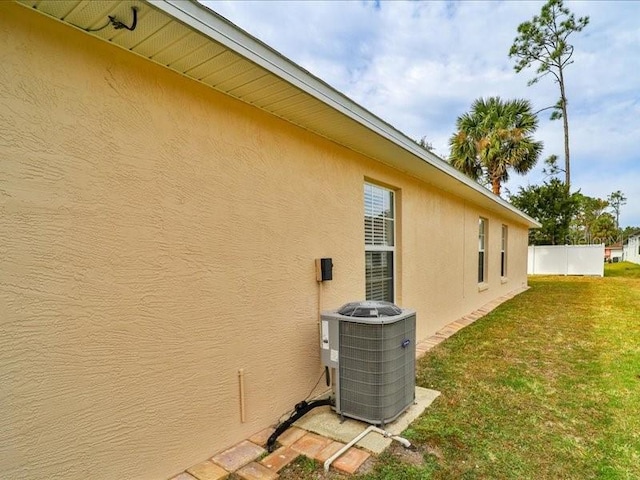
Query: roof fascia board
{"type": "Point", "coordinates": [218, 28]}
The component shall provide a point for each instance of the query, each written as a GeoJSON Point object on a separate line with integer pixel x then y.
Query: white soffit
{"type": "Point", "coordinates": [194, 41]}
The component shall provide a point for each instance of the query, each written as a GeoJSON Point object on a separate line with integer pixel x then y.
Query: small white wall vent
{"type": "Point", "coordinates": [371, 346]}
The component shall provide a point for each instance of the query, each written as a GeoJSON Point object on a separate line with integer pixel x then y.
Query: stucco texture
{"type": "Point", "coordinates": [157, 236]}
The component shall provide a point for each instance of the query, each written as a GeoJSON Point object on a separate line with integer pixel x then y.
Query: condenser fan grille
{"type": "Point", "coordinates": [377, 369]}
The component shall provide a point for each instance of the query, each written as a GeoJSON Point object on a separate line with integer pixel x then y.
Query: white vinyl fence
{"type": "Point", "coordinates": [566, 260]}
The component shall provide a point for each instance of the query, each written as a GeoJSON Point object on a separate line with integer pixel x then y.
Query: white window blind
{"type": "Point", "coordinates": [379, 239]}
{"type": "Point", "coordinates": [482, 259]}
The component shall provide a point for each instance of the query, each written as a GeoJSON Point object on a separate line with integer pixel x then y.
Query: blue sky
{"type": "Point", "coordinates": [419, 65]}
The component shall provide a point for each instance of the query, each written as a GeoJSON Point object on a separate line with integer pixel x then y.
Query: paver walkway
{"type": "Point", "coordinates": [249, 460]}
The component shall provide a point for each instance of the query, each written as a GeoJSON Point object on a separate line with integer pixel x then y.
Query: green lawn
{"type": "Point", "coordinates": [547, 386]}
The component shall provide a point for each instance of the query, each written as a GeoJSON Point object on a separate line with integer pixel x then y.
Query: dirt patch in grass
{"type": "Point", "coordinates": [305, 468]}
{"type": "Point", "coordinates": [413, 455]}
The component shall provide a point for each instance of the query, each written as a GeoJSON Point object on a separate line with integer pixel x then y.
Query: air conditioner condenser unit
{"type": "Point", "coordinates": [371, 348]}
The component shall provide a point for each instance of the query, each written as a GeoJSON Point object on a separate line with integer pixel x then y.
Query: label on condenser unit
{"type": "Point", "coordinates": [334, 355]}
{"type": "Point", "coordinates": [325, 335]}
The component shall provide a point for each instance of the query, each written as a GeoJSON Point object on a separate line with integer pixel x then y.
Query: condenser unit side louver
{"type": "Point", "coordinates": [373, 358]}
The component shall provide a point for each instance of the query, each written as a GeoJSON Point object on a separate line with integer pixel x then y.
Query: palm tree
{"type": "Point", "coordinates": [494, 138]}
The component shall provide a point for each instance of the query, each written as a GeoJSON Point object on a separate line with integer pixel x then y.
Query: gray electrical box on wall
{"type": "Point", "coordinates": [324, 269]}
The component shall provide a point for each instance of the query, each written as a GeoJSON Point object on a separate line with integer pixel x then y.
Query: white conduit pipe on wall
{"type": "Point", "coordinates": [371, 428]}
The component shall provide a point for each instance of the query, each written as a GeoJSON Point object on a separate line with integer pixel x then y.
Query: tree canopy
{"type": "Point", "coordinates": [425, 143]}
{"type": "Point", "coordinates": [567, 218]}
{"type": "Point", "coordinates": [494, 138]}
{"type": "Point", "coordinates": [616, 201]}
{"type": "Point", "coordinates": [592, 222]}
{"type": "Point", "coordinates": [553, 206]}
{"type": "Point", "coordinates": [543, 42]}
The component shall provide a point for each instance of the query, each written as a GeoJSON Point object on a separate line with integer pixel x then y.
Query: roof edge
{"type": "Point", "coordinates": [218, 28]}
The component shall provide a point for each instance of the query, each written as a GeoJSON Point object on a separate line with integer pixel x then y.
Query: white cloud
{"type": "Point", "coordinates": [419, 65]}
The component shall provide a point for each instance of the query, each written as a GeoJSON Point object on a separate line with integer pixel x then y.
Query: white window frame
{"type": "Point", "coordinates": [483, 225]}
{"type": "Point", "coordinates": [503, 251]}
{"type": "Point", "coordinates": [381, 246]}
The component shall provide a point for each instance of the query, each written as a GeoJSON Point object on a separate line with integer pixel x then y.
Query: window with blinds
{"type": "Point", "coordinates": [379, 240]}
{"type": "Point", "coordinates": [482, 258]}
{"type": "Point", "coordinates": [503, 252]}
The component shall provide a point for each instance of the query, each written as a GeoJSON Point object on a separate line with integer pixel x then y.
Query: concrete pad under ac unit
{"type": "Point", "coordinates": [326, 422]}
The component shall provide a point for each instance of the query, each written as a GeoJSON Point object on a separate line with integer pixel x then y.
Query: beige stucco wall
{"type": "Point", "coordinates": [157, 236]}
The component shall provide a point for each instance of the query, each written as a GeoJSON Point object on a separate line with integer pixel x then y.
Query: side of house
{"type": "Point", "coordinates": [613, 253]}
{"type": "Point", "coordinates": [158, 239]}
{"type": "Point", "coordinates": [631, 249]}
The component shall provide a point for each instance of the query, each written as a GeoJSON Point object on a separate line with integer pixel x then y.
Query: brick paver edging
{"type": "Point", "coordinates": [426, 344]}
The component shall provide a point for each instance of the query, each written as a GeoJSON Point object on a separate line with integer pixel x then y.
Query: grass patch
{"type": "Point", "coordinates": [546, 386]}
{"type": "Point", "coordinates": [302, 467]}
{"type": "Point", "coordinates": [622, 269]}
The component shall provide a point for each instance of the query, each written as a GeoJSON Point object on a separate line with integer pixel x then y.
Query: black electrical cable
{"type": "Point", "coordinates": [99, 28]}
{"type": "Point", "coordinates": [314, 387]}
{"type": "Point", "coordinates": [291, 412]}
{"type": "Point", "coordinates": [116, 24]}
{"type": "Point", "coordinates": [301, 409]}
